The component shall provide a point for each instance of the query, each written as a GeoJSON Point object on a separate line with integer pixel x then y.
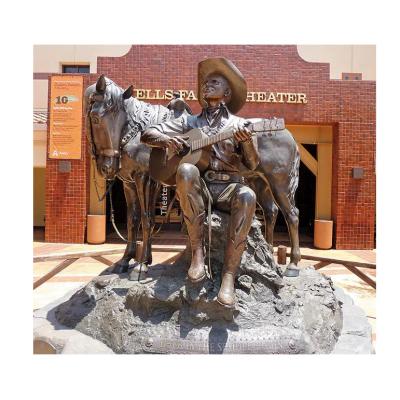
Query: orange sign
{"type": "Point", "coordinates": [66, 117]}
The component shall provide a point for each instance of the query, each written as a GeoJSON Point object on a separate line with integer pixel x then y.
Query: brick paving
{"type": "Point", "coordinates": [367, 255]}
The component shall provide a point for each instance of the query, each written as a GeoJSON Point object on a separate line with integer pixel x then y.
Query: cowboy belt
{"type": "Point", "coordinates": [223, 176]}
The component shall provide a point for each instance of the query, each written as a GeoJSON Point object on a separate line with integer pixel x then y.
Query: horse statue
{"type": "Point", "coordinates": [115, 120]}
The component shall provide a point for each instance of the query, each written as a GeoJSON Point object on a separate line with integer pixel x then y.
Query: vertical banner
{"type": "Point", "coordinates": [65, 117]}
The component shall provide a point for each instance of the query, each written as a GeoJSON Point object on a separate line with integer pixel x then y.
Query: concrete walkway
{"type": "Point", "coordinates": [84, 269]}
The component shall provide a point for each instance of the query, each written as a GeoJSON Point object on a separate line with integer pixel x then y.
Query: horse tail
{"type": "Point", "coordinates": [294, 177]}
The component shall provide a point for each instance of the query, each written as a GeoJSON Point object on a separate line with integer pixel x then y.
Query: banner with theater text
{"type": "Point", "coordinates": [66, 117]}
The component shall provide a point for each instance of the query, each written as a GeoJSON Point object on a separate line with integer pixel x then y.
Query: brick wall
{"type": "Point", "coordinates": [348, 106]}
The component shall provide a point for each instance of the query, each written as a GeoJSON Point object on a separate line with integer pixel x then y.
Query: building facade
{"type": "Point", "coordinates": [328, 106]}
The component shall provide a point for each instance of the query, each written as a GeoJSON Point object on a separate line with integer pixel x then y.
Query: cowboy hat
{"type": "Point", "coordinates": [229, 71]}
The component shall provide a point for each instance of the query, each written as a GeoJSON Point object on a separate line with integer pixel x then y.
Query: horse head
{"type": "Point", "coordinates": [106, 123]}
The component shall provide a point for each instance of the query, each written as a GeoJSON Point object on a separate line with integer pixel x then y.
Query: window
{"type": "Point", "coordinates": [76, 69]}
{"type": "Point", "coordinates": [351, 76]}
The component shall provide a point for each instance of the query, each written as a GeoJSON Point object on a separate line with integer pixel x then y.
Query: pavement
{"type": "Point", "coordinates": [170, 244]}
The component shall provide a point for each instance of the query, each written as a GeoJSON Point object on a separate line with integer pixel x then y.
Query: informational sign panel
{"type": "Point", "coordinates": [66, 117]}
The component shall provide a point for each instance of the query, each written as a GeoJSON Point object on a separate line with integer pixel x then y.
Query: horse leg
{"type": "Point", "coordinates": [151, 199]}
{"type": "Point", "coordinates": [266, 200]}
{"type": "Point", "coordinates": [147, 192]}
{"type": "Point", "coordinates": [133, 223]}
{"type": "Point", "coordinates": [291, 214]}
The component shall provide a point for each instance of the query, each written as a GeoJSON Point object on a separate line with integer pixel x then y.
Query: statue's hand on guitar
{"type": "Point", "coordinates": [240, 131]}
{"type": "Point", "coordinates": [178, 145]}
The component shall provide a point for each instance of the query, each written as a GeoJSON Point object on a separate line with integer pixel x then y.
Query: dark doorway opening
{"type": "Point", "coordinates": [305, 202]}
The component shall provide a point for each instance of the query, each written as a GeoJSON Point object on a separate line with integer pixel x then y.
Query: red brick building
{"type": "Point", "coordinates": [335, 116]}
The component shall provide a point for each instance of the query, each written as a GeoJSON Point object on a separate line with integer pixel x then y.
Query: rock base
{"type": "Point", "coordinates": [166, 314]}
{"type": "Point", "coordinates": [355, 336]}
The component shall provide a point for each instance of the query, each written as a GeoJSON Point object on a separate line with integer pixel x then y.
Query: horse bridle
{"type": "Point", "coordinates": [109, 152]}
{"type": "Point", "coordinates": [104, 152]}
{"type": "Point", "coordinates": [134, 129]}
{"type": "Point", "coordinates": [132, 132]}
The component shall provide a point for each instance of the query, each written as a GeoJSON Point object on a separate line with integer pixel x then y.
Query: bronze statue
{"type": "Point", "coordinates": [223, 91]}
{"type": "Point", "coordinates": [115, 122]}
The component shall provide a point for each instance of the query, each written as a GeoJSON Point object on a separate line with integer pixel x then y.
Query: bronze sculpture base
{"type": "Point", "coordinates": [168, 314]}
{"type": "Point", "coordinates": [355, 336]}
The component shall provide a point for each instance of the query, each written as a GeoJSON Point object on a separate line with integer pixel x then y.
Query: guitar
{"type": "Point", "coordinates": [165, 163]}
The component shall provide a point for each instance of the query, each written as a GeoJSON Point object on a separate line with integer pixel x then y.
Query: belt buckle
{"type": "Point", "coordinates": [216, 176]}
{"type": "Point", "coordinates": [210, 175]}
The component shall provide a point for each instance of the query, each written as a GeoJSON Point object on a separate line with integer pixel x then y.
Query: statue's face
{"type": "Point", "coordinates": [215, 87]}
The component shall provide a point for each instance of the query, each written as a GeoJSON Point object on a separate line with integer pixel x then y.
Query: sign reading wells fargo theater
{"type": "Point", "coordinates": [252, 97]}
{"type": "Point", "coordinates": [65, 117]}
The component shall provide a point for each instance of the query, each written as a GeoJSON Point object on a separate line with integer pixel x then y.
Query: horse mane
{"type": "Point", "coordinates": [145, 114]}
{"type": "Point", "coordinates": [139, 112]}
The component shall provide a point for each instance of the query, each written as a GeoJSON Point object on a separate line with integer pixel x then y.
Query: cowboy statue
{"type": "Point", "coordinates": [222, 92]}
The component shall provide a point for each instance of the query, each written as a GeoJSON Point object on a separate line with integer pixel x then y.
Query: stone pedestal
{"type": "Point", "coordinates": [165, 313]}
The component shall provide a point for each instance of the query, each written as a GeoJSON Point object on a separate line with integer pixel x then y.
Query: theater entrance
{"type": "Point", "coordinates": [305, 202]}
{"type": "Point", "coordinates": [313, 196]}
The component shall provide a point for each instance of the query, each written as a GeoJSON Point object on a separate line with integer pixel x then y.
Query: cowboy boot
{"type": "Point", "coordinates": [197, 269]}
{"type": "Point", "coordinates": [233, 255]}
{"type": "Point", "coordinates": [242, 211]}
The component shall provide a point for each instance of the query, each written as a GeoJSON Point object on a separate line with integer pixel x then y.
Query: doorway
{"type": "Point", "coordinates": [313, 197]}
{"type": "Point", "coordinates": [305, 202]}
